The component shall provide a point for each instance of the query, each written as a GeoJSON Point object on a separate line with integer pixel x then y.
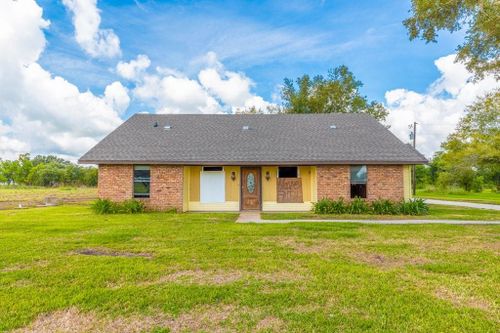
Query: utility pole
{"type": "Point", "coordinates": [413, 136]}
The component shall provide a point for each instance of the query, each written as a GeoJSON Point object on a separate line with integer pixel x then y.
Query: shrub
{"type": "Point", "coordinates": [414, 207]}
{"type": "Point", "coordinates": [132, 206]}
{"type": "Point", "coordinates": [384, 207]}
{"type": "Point", "coordinates": [329, 206]}
{"type": "Point", "coordinates": [358, 206]}
{"type": "Point", "coordinates": [106, 206]}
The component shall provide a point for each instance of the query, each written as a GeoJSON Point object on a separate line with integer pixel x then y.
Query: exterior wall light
{"type": "Point", "coordinates": [233, 175]}
{"type": "Point", "coordinates": [268, 175]}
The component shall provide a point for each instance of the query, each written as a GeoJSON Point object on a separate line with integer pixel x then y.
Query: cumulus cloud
{"type": "Point", "coordinates": [132, 70]}
{"type": "Point", "coordinates": [39, 112]}
{"type": "Point", "coordinates": [438, 110]}
{"type": "Point", "coordinates": [86, 20]}
{"type": "Point", "coordinates": [215, 89]}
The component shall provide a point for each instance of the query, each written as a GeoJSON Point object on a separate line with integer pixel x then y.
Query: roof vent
{"type": "Point", "coordinates": [246, 128]}
{"type": "Point", "coordinates": [155, 124]}
{"type": "Point", "coordinates": [167, 127]}
{"type": "Point", "coordinates": [333, 127]}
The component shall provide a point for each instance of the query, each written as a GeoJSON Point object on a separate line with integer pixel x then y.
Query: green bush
{"type": "Point", "coordinates": [413, 207]}
{"type": "Point", "coordinates": [328, 206]}
{"type": "Point", "coordinates": [384, 207]}
{"type": "Point", "coordinates": [358, 206]}
{"type": "Point", "coordinates": [379, 207]}
{"type": "Point", "coordinates": [106, 206]}
{"type": "Point", "coordinates": [132, 206]}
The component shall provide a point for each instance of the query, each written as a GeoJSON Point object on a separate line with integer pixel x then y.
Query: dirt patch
{"type": "Point", "coordinates": [220, 318]}
{"type": "Point", "coordinates": [303, 246]}
{"type": "Point", "coordinates": [111, 253]}
{"type": "Point", "coordinates": [462, 300]}
{"type": "Point", "coordinates": [270, 323]}
{"type": "Point", "coordinates": [20, 267]}
{"type": "Point", "coordinates": [221, 277]}
{"type": "Point", "coordinates": [383, 261]}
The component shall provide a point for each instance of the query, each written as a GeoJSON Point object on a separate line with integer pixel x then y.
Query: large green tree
{"type": "Point", "coordinates": [337, 92]}
{"type": "Point", "coordinates": [479, 18]}
{"type": "Point", "coordinates": [473, 150]}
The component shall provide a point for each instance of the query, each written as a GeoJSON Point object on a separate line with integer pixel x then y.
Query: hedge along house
{"type": "Point", "coordinates": [251, 162]}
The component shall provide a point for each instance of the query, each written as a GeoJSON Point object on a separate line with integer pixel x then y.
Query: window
{"type": "Point", "coordinates": [212, 184]}
{"type": "Point", "coordinates": [288, 172]}
{"type": "Point", "coordinates": [142, 180]}
{"type": "Point", "coordinates": [212, 169]}
{"type": "Point", "coordinates": [358, 181]}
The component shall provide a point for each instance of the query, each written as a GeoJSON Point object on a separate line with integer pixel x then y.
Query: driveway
{"type": "Point", "coordinates": [462, 204]}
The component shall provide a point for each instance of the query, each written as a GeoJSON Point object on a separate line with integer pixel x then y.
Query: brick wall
{"type": "Point", "coordinates": [166, 187]}
{"type": "Point", "coordinates": [333, 182]}
{"type": "Point", "coordinates": [384, 181]}
{"type": "Point", "coordinates": [115, 182]}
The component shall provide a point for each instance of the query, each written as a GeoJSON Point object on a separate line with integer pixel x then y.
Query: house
{"type": "Point", "coordinates": [262, 162]}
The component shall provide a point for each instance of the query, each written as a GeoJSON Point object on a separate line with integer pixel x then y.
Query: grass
{"type": "Point", "coordinates": [487, 196]}
{"type": "Point", "coordinates": [12, 196]}
{"type": "Point", "coordinates": [436, 212]}
{"type": "Point", "coordinates": [160, 272]}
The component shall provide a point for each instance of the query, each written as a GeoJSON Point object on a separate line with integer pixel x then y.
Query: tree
{"type": "Point", "coordinates": [473, 149]}
{"type": "Point", "coordinates": [480, 51]}
{"type": "Point", "coordinates": [338, 92]}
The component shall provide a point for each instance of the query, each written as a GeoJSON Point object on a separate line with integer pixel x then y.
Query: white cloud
{"type": "Point", "coordinates": [215, 90]}
{"type": "Point", "coordinates": [132, 70]}
{"type": "Point", "coordinates": [86, 20]}
{"type": "Point", "coordinates": [42, 113]}
{"type": "Point", "coordinates": [438, 110]}
{"type": "Point", "coordinates": [116, 96]}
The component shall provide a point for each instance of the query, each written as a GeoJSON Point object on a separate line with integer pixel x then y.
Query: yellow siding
{"type": "Point", "coordinates": [305, 175]}
{"type": "Point", "coordinates": [185, 189]}
{"type": "Point", "coordinates": [269, 186]}
{"type": "Point", "coordinates": [228, 206]}
{"type": "Point", "coordinates": [314, 185]}
{"type": "Point", "coordinates": [194, 184]}
{"type": "Point", "coordinates": [232, 186]}
{"type": "Point", "coordinates": [407, 181]}
{"type": "Point", "coordinates": [273, 206]}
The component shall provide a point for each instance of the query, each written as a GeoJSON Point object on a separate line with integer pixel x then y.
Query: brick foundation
{"type": "Point", "coordinates": [384, 182]}
{"type": "Point", "coordinates": [115, 182]}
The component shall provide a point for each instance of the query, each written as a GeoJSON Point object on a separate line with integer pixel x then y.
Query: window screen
{"type": "Point", "coordinates": [358, 181]}
{"type": "Point", "coordinates": [288, 172]}
{"type": "Point", "coordinates": [142, 180]}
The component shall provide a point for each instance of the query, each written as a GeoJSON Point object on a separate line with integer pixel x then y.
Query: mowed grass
{"type": "Point", "coordinates": [157, 272]}
{"type": "Point", "coordinates": [487, 196]}
{"type": "Point", "coordinates": [436, 212]}
{"type": "Point", "coordinates": [12, 196]}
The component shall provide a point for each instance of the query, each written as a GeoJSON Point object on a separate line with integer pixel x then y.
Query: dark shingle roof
{"type": "Point", "coordinates": [271, 139]}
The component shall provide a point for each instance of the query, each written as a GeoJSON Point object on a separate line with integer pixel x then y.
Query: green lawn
{"type": "Point", "coordinates": [12, 196]}
{"type": "Point", "coordinates": [487, 196]}
{"type": "Point", "coordinates": [157, 272]}
{"type": "Point", "coordinates": [436, 212]}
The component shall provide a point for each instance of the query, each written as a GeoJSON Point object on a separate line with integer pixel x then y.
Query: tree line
{"type": "Point", "coordinates": [470, 156]}
{"type": "Point", "coordinates": [45, 170]}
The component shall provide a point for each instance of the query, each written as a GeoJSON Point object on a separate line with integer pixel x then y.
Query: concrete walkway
{"type": "Point", "coordinates": [462, 204]}
{"type": "Point", "coordinates": [254, 217]}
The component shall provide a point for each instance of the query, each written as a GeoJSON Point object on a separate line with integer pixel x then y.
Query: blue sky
{"type": "Point", "coordinates": [73, 70]}
{"type": "Point", "coordinates": [267, 40]}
